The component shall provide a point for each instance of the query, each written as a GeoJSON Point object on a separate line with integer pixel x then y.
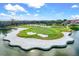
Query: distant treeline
{"type": "Point", "coordinates": [6, 23]}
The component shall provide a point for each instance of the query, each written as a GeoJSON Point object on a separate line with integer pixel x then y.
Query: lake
{"type": "Point", "coordinates": [70, 50]}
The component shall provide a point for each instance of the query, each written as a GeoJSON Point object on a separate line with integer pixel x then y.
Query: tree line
{"type": "Point", "coordinates": [13, 22]}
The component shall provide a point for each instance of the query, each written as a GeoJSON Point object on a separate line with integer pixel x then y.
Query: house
{"type": "Point", "coordinates": [74, 21]}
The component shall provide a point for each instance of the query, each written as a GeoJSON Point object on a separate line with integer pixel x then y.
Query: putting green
{"type": "Point", "coordinates": [53, 33]}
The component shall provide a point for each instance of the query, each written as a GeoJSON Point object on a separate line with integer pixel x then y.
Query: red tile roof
{"type": "Point", "coordinates": [74, 21]}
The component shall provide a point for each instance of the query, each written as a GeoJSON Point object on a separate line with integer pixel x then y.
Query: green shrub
{"type": "Point", "coordinates": [74, 27]}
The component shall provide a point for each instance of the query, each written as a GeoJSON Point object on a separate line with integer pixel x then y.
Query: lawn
{"type": "Point", "coordinates": [53, 33]}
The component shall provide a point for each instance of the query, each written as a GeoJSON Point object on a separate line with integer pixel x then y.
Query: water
{"type": "Point", "coordinates": [70, 50]}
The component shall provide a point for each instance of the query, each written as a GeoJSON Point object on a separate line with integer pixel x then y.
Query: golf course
{"type": "Point", "coordinates": [38, 32]}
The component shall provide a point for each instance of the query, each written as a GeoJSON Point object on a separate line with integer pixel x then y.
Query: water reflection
{"type": "Point", "coordinates": [6, 50]}
{"type": "Point", "coordinates": [3, 31]}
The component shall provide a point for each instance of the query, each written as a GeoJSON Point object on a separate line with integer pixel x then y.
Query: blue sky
{"type": "Point", "coordinates": [46, 11]}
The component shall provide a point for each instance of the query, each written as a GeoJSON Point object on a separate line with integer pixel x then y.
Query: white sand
{"type": "Point", "coordinates": [31, 33]}
{"type": "Point", "coordinates": [28, 43]}
{"type": "Point", "coordinates": [42, 35]}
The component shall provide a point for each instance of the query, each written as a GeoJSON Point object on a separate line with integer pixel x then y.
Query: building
{"type": "Point", "coordinates": [74, 21]}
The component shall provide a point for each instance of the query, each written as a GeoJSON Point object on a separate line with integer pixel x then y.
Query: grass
{"type": "Point", "coordinates": [53, 33]}
{"type": "Point", "coordinates": [18, 26]}
{"type": "Point", "coordinates": [75, 27]}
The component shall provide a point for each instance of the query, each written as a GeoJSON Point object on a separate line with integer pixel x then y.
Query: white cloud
{"type": "Point", "coordinates": [9, 7]}
{"type": "Point", "coordinates": [16, 7]}
{"type": "Point", "coordinates": [36, 15]}
{"type": "Point", "coordinates": [2, 14]}
{"type": "Point", "coordinates": [5, 16]}
{"type": "Point", "coordinates": [75, 6]}
{"type": "Point", "coordinates": [28, 14]}
{"type": "Point", "coordinates": [46, 1]}
{"type": "Point", "coordinates": [74, 16]}
{"type": "Point", "coordinates": [36, 3]}
{"type": "Point", "coordinates": [12, 13]}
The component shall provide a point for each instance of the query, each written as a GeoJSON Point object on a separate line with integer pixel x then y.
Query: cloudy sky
{"type": "Point", "coordinates": [39, 11]}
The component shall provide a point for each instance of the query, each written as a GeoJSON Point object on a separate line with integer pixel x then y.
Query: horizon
{"type": "Point", "coordinates": [38, 12]}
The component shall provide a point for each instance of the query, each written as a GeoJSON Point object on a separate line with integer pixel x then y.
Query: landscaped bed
{"type": "Point", "coordinates": [43, 32]}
